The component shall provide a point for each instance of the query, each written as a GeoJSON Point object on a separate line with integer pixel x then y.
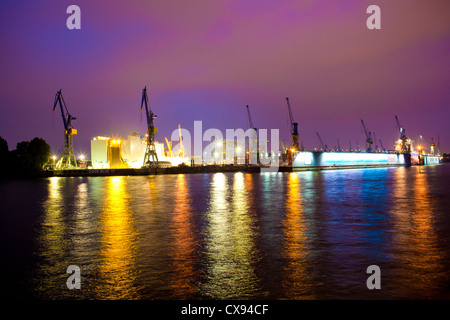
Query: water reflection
{"type": "Point", "coordinates": [230, 237]}
{"type": "Point", "coordinates": [83, 229]}
{"type": "Point", "coordinates": [302, 235]}
{"type": "Point", "coordinates": [183, 254]}
{"type": "Point", "coordinates": [117, 271]}
{"type": "Point", "coordinates": [53, 242]}
{"type": "Point", "coordinates": [416, 242]}
{"type": "Point", "coordinates": [297, 283]}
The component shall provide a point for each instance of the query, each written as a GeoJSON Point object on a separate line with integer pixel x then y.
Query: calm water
{"type": "Point", "coordinates": [304, 235]}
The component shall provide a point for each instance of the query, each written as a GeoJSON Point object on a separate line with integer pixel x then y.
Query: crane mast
{"type": "Point", "coordinates": [369, 140]}
{"type": "Point", "coordinates": [255, 133]}
{"type": "Point", "coordinates": [169, 147]}
{"type": "Point", "coordinates": [375, 141]}
{"type": "Point", "coordinates": [404, 147]}
{"type": "Point", "coordinates": [181, 152]}
{"type": "Point", "coordinates": [324, 146]}
{"type": "Point", "coordinates": [250, 122]}
{"type": "Point", "coordinates": [382, 147]}
{"type": "Point", "coordinates": [150, 157]}
{"type": "Point", "coordinates": [67, 160]}
{"type": "Point", "coordinates": [294, 127]}
{"type": "Point", "coordinates": [439, 146]}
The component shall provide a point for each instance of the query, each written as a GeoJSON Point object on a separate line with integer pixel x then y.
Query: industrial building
{"type": "Point", "coordinates": [107, 152]}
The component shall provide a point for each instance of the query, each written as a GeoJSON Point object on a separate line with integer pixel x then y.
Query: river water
{"type": "Point", "coordinates": [301, 235]}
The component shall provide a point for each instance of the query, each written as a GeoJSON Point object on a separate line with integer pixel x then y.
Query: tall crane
{"type": "Point", "coordinates": [250, 122]}
{"type": "Point", "coordinates": [382, 147]}
{"type": "Point", "coordinates": [439, 146]}
{"type": "Point", "coordinates": [255, 137]}
{"type": "Point", "coordinates": [169, 147]}
{"type": "Point", "coordinates": [431, 143]}
{"type": "Point", "coordinates": [67, 160]}
{"type": "Point", "coordinates": [375, 141]}
{"type": "Point", "coordinates": [181, 152]}
{"type": "Point", "coordinates": [294, 127]}
{"type": "Point", "coordinates": [404, 146]}
{"type": "Point", "coordinates": [150, 157]}
{"type": "Point", "coordinates": [369, 140]}
{"type": "Point", "coordinates": [324, 146]}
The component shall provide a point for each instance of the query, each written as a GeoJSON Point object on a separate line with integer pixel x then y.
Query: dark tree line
{"type": "Point", "coordinates": [446, 157]}
{"type": "Point", "coordinates": [28, 157]}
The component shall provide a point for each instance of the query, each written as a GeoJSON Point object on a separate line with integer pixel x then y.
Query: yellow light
{"type": "Point", "coordinates": [54, 158]}
{"type": "Point", "coordinates": [81, 157]}
{"type": "Point", "coordinates": [238, 149]}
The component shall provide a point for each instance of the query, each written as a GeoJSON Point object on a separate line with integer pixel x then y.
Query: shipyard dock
{"type": "Point", "coordinates": [303, 161]}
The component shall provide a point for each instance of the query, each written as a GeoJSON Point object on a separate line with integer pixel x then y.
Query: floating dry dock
{"type": "Point", "coordinates": [304, 160]}
{"type": "Point", "coordinates": [147, 171]}
{"type": "Point", "coordinates": [319, 159]}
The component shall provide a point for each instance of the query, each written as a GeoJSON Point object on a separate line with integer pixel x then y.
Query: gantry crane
{"type": "Point", "coordinates": [67, 160]}
{"type": "Point", "coordinates": [369, 140]}
{"type": "Point", "coordinates": [404, 146]}
{"type": "Point", "coordinates": [150, 157]}
{"type": "Point", "coordinates": [294, 127]}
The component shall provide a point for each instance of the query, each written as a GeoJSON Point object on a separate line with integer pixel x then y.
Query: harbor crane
{"type": "Point", "coordinates": [169, 147]}
{"type": "Point", "coordinates": [431, 143]}
{"type": "Point", "coordinates": [439, 146]}
{"type": "Point", "coordinates": [294, 127]}
{"type": "Point", "coordinates": [375, 141]}
{"type": "Point", "coordinates": [369, 140]}
{"type": "Point", "coordinates": [250, 122]}
{"type": "Point", "coordinates": [255, 137]}
{"type": "Point", "coordinates": [150, 157]}
{"type": "Point", "coordinates": [324, 146]}
{"type": "Point", "coordinates": [403, 139]}
{"type": "Point", "coordinates": [67, 160]}
{"type": "Point", "coordinates": [181, 152]}
{"type": "Point", "coordinates": [382, 147]}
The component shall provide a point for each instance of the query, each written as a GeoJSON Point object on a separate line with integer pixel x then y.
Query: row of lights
{"type": "Point", "coordinates": [80, 157]}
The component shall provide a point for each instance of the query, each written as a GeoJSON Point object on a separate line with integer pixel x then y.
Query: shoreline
{"type": "Point", "coordinates": [180, 170]}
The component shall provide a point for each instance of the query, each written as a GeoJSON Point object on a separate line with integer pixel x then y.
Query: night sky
{"type": "Point", "coordinates": [206, 60]}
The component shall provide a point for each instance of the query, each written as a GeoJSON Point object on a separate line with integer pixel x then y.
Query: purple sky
{"type": "Point", "coordinates": [206, 60]}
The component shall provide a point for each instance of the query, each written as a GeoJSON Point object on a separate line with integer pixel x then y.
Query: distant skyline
{"type": "Point", "coordinates": [207, 60]}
